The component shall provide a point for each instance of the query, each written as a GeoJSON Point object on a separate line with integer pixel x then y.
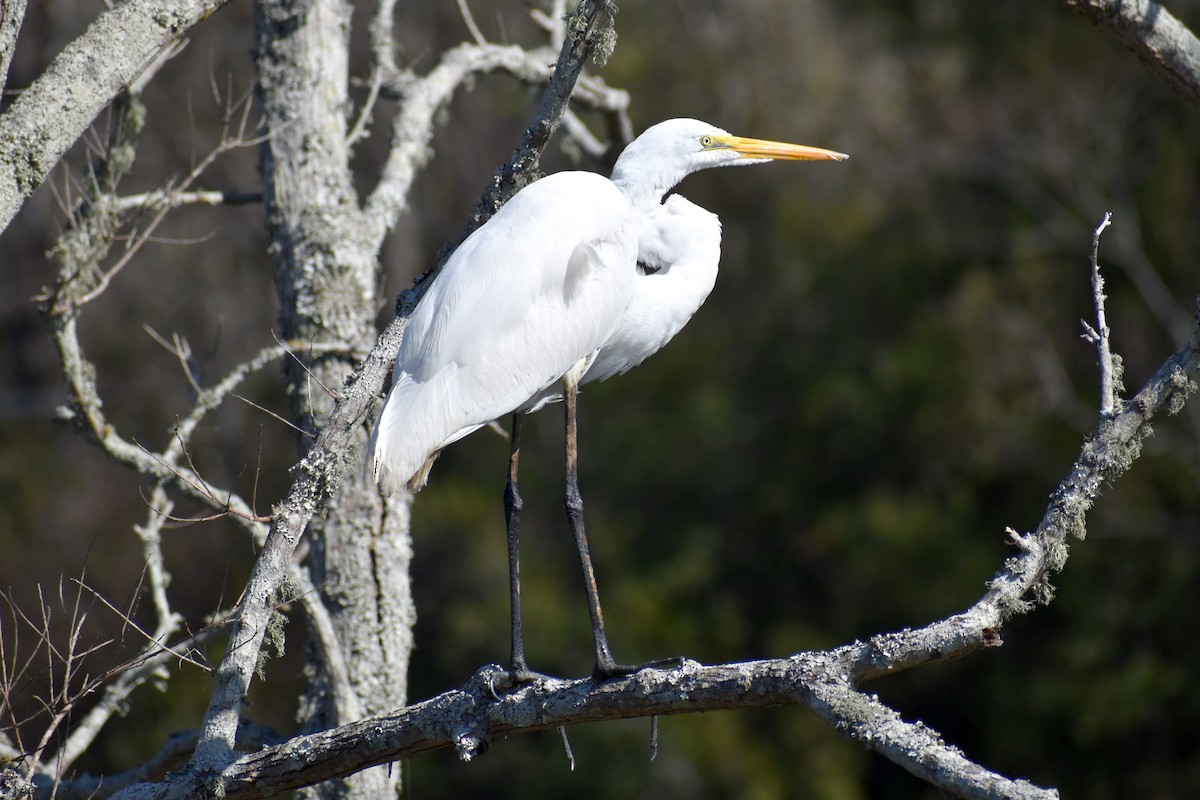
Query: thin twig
{"type": "Point", "coordinates": [562, 729]}
{"type": "Point", "coordinates": [273, 415]}
{"type": "Point", "coordinates": [464, 11]}
{"type": "Point", "coordinates": [126, 619]}
{"type": "Point", "coordinates": [313, 348]}
{"type": "Point", "coordinates": [1098, 336]}
{"type": "Point", "coordinates": [364, 116]}
{"type": "Point", "coordinates": [176, 199]}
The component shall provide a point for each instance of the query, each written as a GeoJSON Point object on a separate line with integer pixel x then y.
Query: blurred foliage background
{"type": "Point", "coordinates": [887, 375]}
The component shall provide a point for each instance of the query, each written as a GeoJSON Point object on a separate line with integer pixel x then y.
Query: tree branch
{"type": "Point", "coordinates": [1158, 38]}
{"type": "Point", "coordinates": [1098, 336]}
{"type": "Point", "coordinates": [523, 164]}
{"type": "Point", "coordinates": [12, 14]}
{"type": "Point", "coordinates": [317, 475]}
{"type": "Point", "coordinates": [470, 718]}
{"type": "Point", "coordinates": [171, 755]}
{"type": "Point", "coordinates": [49, 116]}
{"type": "Point", "coordinates": [421, 98]}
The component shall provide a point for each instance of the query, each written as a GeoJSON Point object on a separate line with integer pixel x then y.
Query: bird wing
{"type": "Point", "coordinates": [523, 299]}
{"type": "Point", "coordinates": [682, 242]}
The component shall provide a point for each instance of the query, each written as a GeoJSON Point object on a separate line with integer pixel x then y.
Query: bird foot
{"type": "Point", "coordinates": [603, 670]}
{"type": "Point", "coordinates": [502, 680]}
{"type": "Point", "coordinates": [520, 673]}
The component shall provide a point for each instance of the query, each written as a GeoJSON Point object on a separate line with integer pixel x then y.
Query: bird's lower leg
{"type": "Point", "coordinates": [512, 522]}
{"type": "Point", "coordinates": [605, 664]}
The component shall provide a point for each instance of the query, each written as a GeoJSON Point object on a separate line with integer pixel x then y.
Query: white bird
{"type": "Point", "coordinates": [576, 278]}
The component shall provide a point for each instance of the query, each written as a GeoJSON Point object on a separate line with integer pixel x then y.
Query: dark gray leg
{"type": "Point", "coordinates": [605, 665]}
{"type": "Point", "coordinates": [512, 521]}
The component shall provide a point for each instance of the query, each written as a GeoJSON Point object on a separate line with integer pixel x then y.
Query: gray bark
{"type": "Point", "coordinates": [50, 115]}
{"type": "Point", "coordinates": [12, 13]}
{"type": "Point", "coordinates": [1156, 35]}
{"type": "Point", "coordinates": [326, 279]}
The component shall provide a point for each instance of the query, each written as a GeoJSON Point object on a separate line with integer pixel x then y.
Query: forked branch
{"type": "Point", "coordinates": [485, 709]}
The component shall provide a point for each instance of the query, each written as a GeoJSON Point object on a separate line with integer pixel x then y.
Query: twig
{"type": "Point", "coordinates": [275, 416]}
{"type": "Point", "coordinates": [154, 641]}
{"type": "Point", "coordinates": [364, 116]}
{"type": "Point", "coordinates": [1098, 336]}
{"type": "Point", "coordinates": [523, 163]}
{"type": "Point", "coordinates": [464, 11]}
{"type": "Point", "coordinates": [562, 729]}
{"type": "Point", "coordinates": [175, 199]}
{"type": "Point", "coordinates": [182, 351]}
{"type": "Point", "coordinates": [313, 348]}
{"type": "Point", "coordinates": [382, 40]}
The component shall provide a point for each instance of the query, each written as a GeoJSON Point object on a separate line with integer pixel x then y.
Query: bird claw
{"type": "Point", "coordinates": [523, 674]}
{"type": "Point", "coordinates": [610, 669]}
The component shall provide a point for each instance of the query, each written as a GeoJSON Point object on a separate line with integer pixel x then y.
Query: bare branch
{"type": "Point", "coordinates": [359, 130]}
{"type": "Point", "coordinates": [413, 126]}
{"type": "Point", "coordinates": [1158, 38]}
{"type": "Point", "coordinates": [412, 129]}
{"type": "Point", "coordinates": [1098, 336]}
{"type": "Point", "coordinates": [12, 14]}
{"type": "Point", "coordinates": [464, 11]}
{"type": "Point", "coordinates": [522, 165]}
{"type": "Point", "coordinates": [317, 475]}
{"type": "Point", "coordinates": [51, 115]}
{"type": "Point", "coordinates": [470, 718]}
{"type": "Point", "coordinates": [175, 199]}
{"type": "Point", "coordinates": [383, 43]}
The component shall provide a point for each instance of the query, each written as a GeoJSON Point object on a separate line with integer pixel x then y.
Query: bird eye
{"type": "Point", "coordinates": [706, 141]}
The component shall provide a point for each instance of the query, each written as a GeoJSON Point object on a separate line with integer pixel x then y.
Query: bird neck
{"type": "Point", "coordinates": [645, 182]}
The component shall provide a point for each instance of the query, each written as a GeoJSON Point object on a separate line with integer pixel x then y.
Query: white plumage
{"type": "Point", "coordinates": [510, 313]}
{"type": "Point", "coordinates": [575, 271]}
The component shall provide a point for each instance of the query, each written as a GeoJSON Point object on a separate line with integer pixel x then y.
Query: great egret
{"type": "Point", "coordinates": [575, 273]}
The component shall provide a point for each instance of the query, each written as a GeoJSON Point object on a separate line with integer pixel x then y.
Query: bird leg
{"type": "Point", "coordinates": [605, 665]}
{"type": "Point", "coordinates": [512, 521]}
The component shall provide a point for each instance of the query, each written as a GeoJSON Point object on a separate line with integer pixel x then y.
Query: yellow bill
{"type": "Point", "coordinates": [763, 148]}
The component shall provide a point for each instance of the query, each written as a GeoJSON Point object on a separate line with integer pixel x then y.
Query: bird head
{"type": "Point", "coordinates": [668, 152]}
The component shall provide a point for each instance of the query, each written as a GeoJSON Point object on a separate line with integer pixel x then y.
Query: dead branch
{"type": "Point", "coordinates": [1099, 336]}
{"type": "Point", "coordinates": [1157, 36]}
{"type": "Point", "coordinates": [53, 113]}
{"type": "Point", "coordinates": [470, 718]}
{"type": "Point", "coordinates": [827, 682]}
{"type": "Point", "coordinates": [12, 14]}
